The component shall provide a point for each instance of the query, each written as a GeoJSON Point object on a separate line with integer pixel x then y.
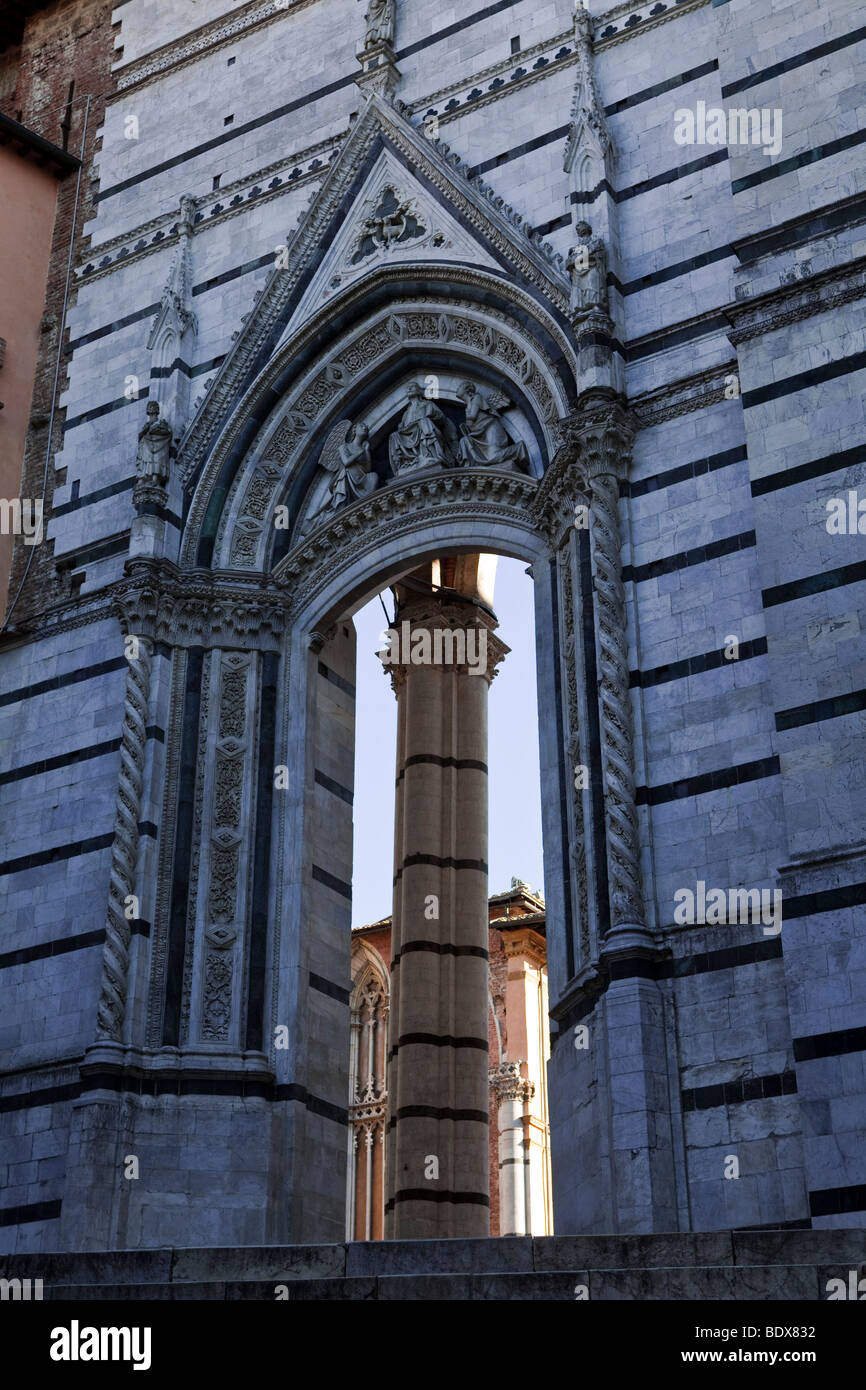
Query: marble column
{"type": "Point", "coordinates": [512, 1090]}
{"type": "Point", "coordinates": [441, 665]}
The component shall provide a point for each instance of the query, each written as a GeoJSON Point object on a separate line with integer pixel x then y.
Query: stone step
{"type": "Point", "coordinates": [832, 1253]}
{"type": "Point", "coordinates": [776, 1282]}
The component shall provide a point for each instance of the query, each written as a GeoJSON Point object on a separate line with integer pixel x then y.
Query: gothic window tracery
{"type": "Point", "coordinates": [368, 1096]}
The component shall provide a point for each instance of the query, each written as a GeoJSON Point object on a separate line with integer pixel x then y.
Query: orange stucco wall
{"type": "Point", "coordinates": [27, 200]}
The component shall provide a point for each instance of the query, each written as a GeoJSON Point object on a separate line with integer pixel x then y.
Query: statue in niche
{"type": "Point", "coordinates": [154, 445]}
{"type": "Point", "coordinates": [346, 456]}
{"type": "Point", "coordinates": [379, 20]}
{"type": "Point", "coordinates": [486, 442]}
{"type": "Point", "coordinates": [425, 437]}
{"type": "Point", "coordinates": [587, 263]}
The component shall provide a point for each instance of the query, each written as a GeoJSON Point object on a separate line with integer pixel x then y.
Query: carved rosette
{"type": "Point", "coordinates": [606, 438]}
{"type": "Point", "coordinates": [508, 1084]}
{"type": "Point", "coordinates": [111, 1010]}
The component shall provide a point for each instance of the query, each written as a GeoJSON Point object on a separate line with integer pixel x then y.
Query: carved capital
{"type": "Point", "coordinates": [508, 1084]}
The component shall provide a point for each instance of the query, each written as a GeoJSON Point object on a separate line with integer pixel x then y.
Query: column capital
{"type": "Point", "coordinates": [453, 632]}
{"type": "Point", "coordinates": [509, 1084]}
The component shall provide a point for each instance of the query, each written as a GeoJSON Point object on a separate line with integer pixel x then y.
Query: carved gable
{"type": "Point", "coordinates": [392, 219]}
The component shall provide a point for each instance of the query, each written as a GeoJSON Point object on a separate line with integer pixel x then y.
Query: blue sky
{"type": "Point", "coordinates": [515, 799]}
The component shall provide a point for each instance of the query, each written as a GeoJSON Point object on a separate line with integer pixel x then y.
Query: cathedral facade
{"type": "Point", "coordinates": [346, 294]}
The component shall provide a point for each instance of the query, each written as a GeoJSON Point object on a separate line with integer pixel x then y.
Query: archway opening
{"type": "Point", "coordinates": [517, 1001]}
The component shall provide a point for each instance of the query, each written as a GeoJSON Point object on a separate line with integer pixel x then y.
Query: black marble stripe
{"type": "Point", "coordinates": [56, 854]}
{"type": "Point", "coordinates": [673, 272]}
{"type": "Point", "coordinates": [437, 1040]}
{"type": "Point", "coordinates": [327, 880]}
{"type": "Point", "coordinates": [660, 88]}
{"type": "Point", "coordinates": [45, 1095]}
{"type": "Point", "coordinates": [92, 554]}
{"type": "Point", "coordinates": [258, 942]}
{"type": "Point", "coordinates": [439, 949]}
{"type": "Point", "coordinates": [739, 1092]}
{"type": "Point", "coordinates": [814, 584]}
{"type": "Point", "coordinates": [115, 327]}
{"type": "Point", "coordinates": [825, 900]}
{"type": "Point", "coordinates": [636, 190]}
{"type": "Point", "coordinates": [729, 958]}
{"type": "Point", "coordinates": [32, 1211]}
{"type": "Point", "coordinates": [717, 780]}
{"type": "Point", "coordinates": [324, 986]}
{"type": "Point", "coordinates": [457, 28]}
{"type": "Point", "coordinates": [88, 499]}
{"type": "Point", "coordinates": [802, 381]}
{"type": "Point", "coordinates": [179, 911]}
{"type": "Point", "coordinates": [98, 411]}
{"type": "Point", "coordinates": [806, 472]}
{"type": "Point", "coordinates": [809, 55]}
{"type": "Point", "coordinates": [842, 213]}
{"type": "Point", "coordinates": [696, 665]}
{"type": "Point", "coordinates": [339, 681]}
{"type": "Point", "coordinates": [685, 471]}
{"type": "Point", "coordinates": [289, 107]}
{"type": "Point", "coordinates": [437, 1195]}
{"type": "Point", "coordinates": [438, 1112]}
{"type": "Point", "coordinates": [653, 569]}
{"type": "Point", "coordinates": [805, 1224]}
{"type": "Point", "coordinates": [62, 946]}
{"type": "Point", "coordinates": [77, 755]}
{"type": "Point", "coordinates": [29, 692]}
{"type": "Point", "coordinates": [812, 1046]}
{"type": "Point", "coordinates": [837, 1201]}
{"type": "Point", "coordinates": [268, 259]}
{"type": "Point", "coordinates": [178, 365]}
{"type": "Point", "coordinates": [835, 707]}
{"type": "Point", "coordinates": [677, 336]}
{"type": "Point", "coordinates": [434, 760]}
{"type": "Point", "coordinates": [334, 787]}
{"type": "Point", "coordinates": [243, 1086]}
{"type": "Point", "coordinates": [438, 861]}
{"type": "Point", "coordinates": [780, 167]}
{"type": "Point", "coordinates": [518, 151]}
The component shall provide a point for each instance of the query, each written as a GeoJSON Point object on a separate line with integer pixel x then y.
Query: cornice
{"type": "Point", "coordinates": [799, 299]}
{"type": "Point", "coordinates": [129, 246]}
{"type": "Point", "coordinates": [682, 396]}
{"type": "Point", "coordinates": [205, 39]}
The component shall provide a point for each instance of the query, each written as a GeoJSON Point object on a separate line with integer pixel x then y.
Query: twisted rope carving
{"type": "Point", "coordinates": [124, 852]}
{"type": "Point", "coordinates": [616, 717]}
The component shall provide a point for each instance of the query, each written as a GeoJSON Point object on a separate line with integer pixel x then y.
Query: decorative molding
{"type": "Point", "coordinates": [680, 397]}
{"type": "Point", "coordinates": [496, 225]}
{"type": "Point", "coordinates": [111, 1010]}
{"type": "Point", "coordinates": [509, 1085]}
{"type": "Point", "coordinates": [185, 610]}
{"type": "Point", "coordinates": [799, 298]}
{"type": "Point", "coordinates": [448, 495]}
{"type": "Point", "coordinates": [243, 531]}
{"type": "Point", "coordinates": [624, 21]}
{"type": "Point", "coordinates": [204, 40]}
{"type": "Point", "coordinates": [606, 436]}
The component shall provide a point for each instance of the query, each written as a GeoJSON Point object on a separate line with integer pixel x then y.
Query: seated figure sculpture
{"type": "Point", "coordinates": [486, 442]}
{"type": "Point", "coordinates": [425, 437]}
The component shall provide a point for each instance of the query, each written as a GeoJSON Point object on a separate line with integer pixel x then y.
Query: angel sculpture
{"type": "Point", "coordinates": [486, 442]}
{"type": "Point", "coordinates": [425, 437]}
{"type": "Point", "coordinates": [346, 456]}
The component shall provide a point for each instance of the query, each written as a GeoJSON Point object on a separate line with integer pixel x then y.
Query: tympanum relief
{"type": "Point", "coordinates": [425, 439]}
